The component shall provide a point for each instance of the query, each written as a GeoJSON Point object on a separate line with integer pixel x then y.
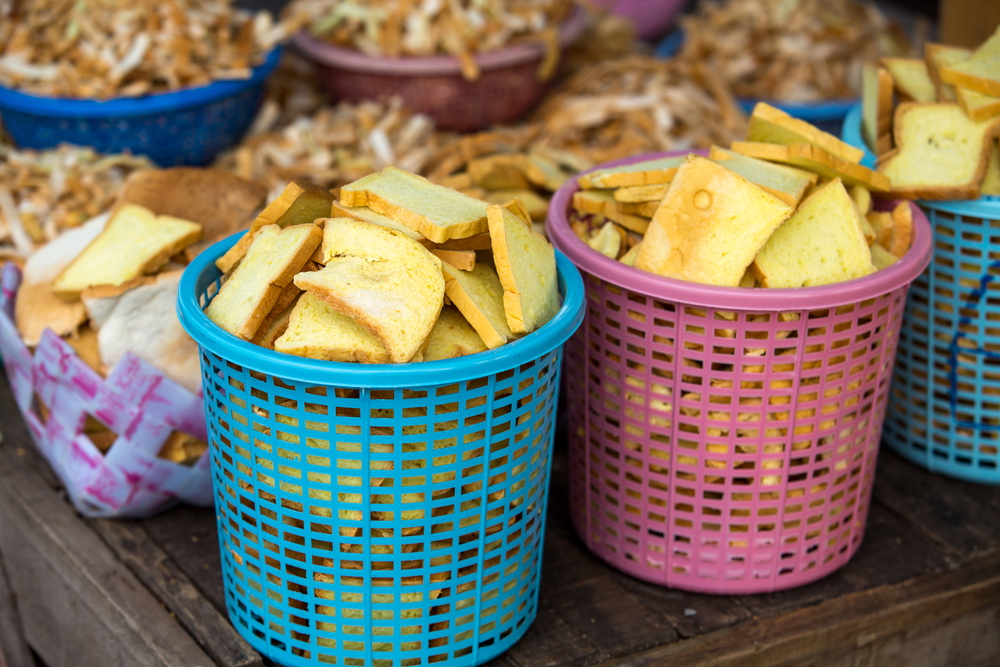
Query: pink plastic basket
{"type": "Point", "coordinates": [724, 440]}
{"type": "Point", "coordinates": [507, 87]}
{"type": "Point", "coordinates": [651, 17]}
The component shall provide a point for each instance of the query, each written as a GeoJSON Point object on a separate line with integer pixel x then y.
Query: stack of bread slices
{"type": "Point", "coordinates": [789, 207]}
{"type": "Point", "coordinates": [396, 270]}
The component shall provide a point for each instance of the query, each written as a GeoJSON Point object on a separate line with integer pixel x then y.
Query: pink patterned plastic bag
{"type": "Point", "coordinates": [136, 401]}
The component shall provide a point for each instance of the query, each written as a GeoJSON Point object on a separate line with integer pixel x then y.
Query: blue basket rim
{"type": "Point", "coordinates": [373, 376]}
{"type": "Point", "coordinates": [117, 107]}
{"type": "Point", "coordinates": [826, 110]}
{"type": "Point", "coordinates": [987, 206]}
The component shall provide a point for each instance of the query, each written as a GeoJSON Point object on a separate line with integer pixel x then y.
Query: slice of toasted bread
{"type": "Point", "coordinates": [822, 243]}
{"type": "Point", "coordinates": [881, 224]}
{"type": "Point", "coordinates": [300, 203]}
{"type": "Point", "coordinates": [272, 260]}
{"type": "Point", "coordinates": [811, 158]}
{"type": "Point", "coordinates": [976, 105]}
{"type": "Point", "coordinates": [607, 241]}
{"type": "Point", "coordinates": [387, 282]}
{"type": "Point", "coordinates": [937, 56]}
{"type": "Point", "coordinates": [452, 336]}
{"type": "Point", "coordinates": [286, 298]}
{"type": "Point", "coordinates": [460, 259]}
{"type": "Point", "coordinates": [47, 262]}
{"type": "Point", "coordinates": [648, 172]}
{"type": "Point", "coordinates": [526, 264]}
{"type": "Point", "coordinates": [642, 209]}
{"type": "Point", "coordinates": [902, 229]}
{"type": "Point", "coordinates": [536, 206]}
{"type": "Point", "coordinates": [277, 326]}
{"type": "Point", "coordinates": [641, 193]}
{"type": "Point", "coordinates": [134, 242]}
{"type": "Point", "coordinates": [365, 214]}
{"type": "Point", "coordinates": [437, 212]}
{"type": "Point", "coordinates": [710, 225]}
{"type": "Point", "coordinates": [786, 183]}
{"type": "Point", "coordinates": [876, 108]}
{"type": "Point", "coordinates": [477, 242]}
{"type": "Point", "coordinates": [628, 259]}
{"type": "Point", "coordinates": [769, 124]}
{"type": "Point", "coordinates": [316, 330]}
{"type": "Point", "coordinates": [479, 296]}
{"type": "Point", "coordinates": [882, 258]}
{"type": "Point", "coordinates": [602, 202]}
{"type": "Point", "coordinates": [991, 181]}
{"type": "Point", "coordinates": [499, 172]}
{"type": "Point", "coordinates": [911, 79]}
{"type": "Point", "coordinates": [941, 154]}
{"type": "Point", "coordinates": [37, 309]}
{"type": "Point", "coordinates": [980, 71]}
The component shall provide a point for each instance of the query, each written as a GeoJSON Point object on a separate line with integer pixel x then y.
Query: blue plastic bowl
{"type": "Point", "coordinates": [827, 116]}
{"type": "Point", "coordinates": [187, 127]}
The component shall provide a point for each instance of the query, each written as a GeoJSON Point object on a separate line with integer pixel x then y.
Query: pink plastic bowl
{"type": "Point", "coordinates": [507, 87]}
{"type": "Point", "coordinates": [652, 18]}
{"type": "Point", "coordinates": [724, 440]}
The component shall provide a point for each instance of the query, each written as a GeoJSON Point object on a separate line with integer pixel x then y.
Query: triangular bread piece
{"type": "Point", "coordinates": [786, 183]}
{"type": "Point", "coordinates": [272, 260]}
{"type": "Point", "coordinates": [771, 125]}
{"type": "Point", "coordinates": [452, 336]}
{"type": "Point", "coordinates": [937, 56]}
{"type": "Point", "coordinates": [135, 241]}
{"type": "Point", "coordinates": [980, 71]}
{"type": "Point", "coordinates": [810, 158]}
{"type": "Point", "coordinates": [384, 280]}
{"type": "Point", "coordinates": [876, 108]}
{"type": "Point", "coordinates": [710, 225]}
{"type": "Point", "coordinates": [437, 212]}
{"type": "Point", "coordinates": [941, 153]}
{"type": "Point", "coordinates": [822, 243]}
{"type": "Point", "coordinates": [301, 202]}
{"type": "Point", "coordinates": [479, 296]}
{"type": "Point", "coordinates": [911, 79]}
{"type": "Point", "coordinates": [316, 330]}
{"type": "Point", "coordinates": [648, 172]}
{"type": "Point", "coordinates": [526, 265]}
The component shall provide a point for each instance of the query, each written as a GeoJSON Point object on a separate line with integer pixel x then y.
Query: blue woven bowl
{"type": "Point", "coordinates": [383, 516]}
{"type": "Point", "coordinates": [827, 116]}
{"type": "Point", "coordinates": [944, 409]}
{"type": "Point", "coordinates": [187, 127]}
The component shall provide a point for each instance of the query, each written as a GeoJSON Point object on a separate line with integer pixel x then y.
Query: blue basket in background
{"type": "Point", "coordinates": [944, 409]}
{"type": "Point", "coordinates": [827, 116]}
{"type": "Point", "coordinates": [379, 516]}
{"type": "Point", "coordinates": [186, 127]}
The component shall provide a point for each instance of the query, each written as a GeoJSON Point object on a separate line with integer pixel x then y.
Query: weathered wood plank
{"type": "Point", "coordinates": [14, 651]}
{"type": "Point", "coordinates": [163, 577]}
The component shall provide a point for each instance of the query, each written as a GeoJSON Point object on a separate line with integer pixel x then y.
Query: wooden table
{"type": "Point", "coordinates": [923, 590]}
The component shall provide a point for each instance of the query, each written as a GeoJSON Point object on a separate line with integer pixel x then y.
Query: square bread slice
{"type": "Point", "coordinates": [937, 56]}
{"type": "Point", "coordinates": [941, 153]}
{"type": "Point", "coordinates": [822, 243]}
{"type": "Point", "coordinates": [876, 108]}
{"type": "Point", "coordinates": [479, 296]}
{"type": "Point", "coordinates": [710, 225]}
{"type": "Point", "coordinates": [811, 158]}
{"type": "Point", "coordinates": [384, 280]}
{"type": "Point", "coordinates": [911, 79]}
{"type": "Point", "coordinates": [301, 202]}
{"type": "Point", "coordinates": [437, 212]}
{"type": "Point", "coordinates": [980, 71]}
{"type": "Point", "coordinates": [526, 265]}
{"type": "Point", "coordinates": [771, 125]}
{"type": "Point", "coordinates": [135, 241]}
{"type": "Point", "coordinates": [316, 330]}
{"type": "Point", "coordinates": [648, 172]}
{"type": "Point", "coordinates": [452, 336]}
{"type": "Point", "coordinates": [786, 183]}
{"type": "Point", "coordinates": [272, 260]}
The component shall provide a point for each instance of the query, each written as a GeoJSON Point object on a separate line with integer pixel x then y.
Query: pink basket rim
{"type": "Point", "coordinates": [510, 56]}
{"type": "Point", "coordinates": [900, 274]}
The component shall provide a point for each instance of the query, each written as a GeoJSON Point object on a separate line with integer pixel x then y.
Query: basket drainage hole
{"type": "Point", "coordinates": [812, 549]}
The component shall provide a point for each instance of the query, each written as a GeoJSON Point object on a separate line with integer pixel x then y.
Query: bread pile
{"type": "Point", "coordinates": [940, 140]}
{"type": "Point", "coordinates": [789, 207]}
{"type": "Point", "coordinates": [366, 278]}
{"type": "Point", "coordinates": [109, 286]}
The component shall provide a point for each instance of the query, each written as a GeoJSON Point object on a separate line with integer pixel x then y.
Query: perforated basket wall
{"type": "Point", "coordinates": [725, 440]}
{"type": "Point", "coordinates": [380, 516]}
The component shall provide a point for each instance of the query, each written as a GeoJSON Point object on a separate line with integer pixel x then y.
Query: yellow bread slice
{"type": "Point", "coordinates": [641, 193]}
{"type": "Point", "coordinates": [452, 336]}
{"type": "Point", "coordinates": [876, 108]}
{"type": "Point", "coordinates": [526, 264]}
{"type": "Point", "coordinates": [881, 224]}
{"type": "Point", "coordinates": [822, 243]}
{"type": "Point", "coordinates": [991, 181]}
{"type": "Point", "coordinates": [769, 124]}
{"type": "Point", "coordinates": [365, 214]}
{"type": "Point", "coordinates": [301, 202]}
{"type": "Point", "coordinates": [649, 172]}
{"type": "Point", "coordinates": [937, 56]}
{"type": "Point", "coordinates": [479, 296]}
{"type": "Point", "coordinates": [272, 260]}
{"type": "Point", "coordinates": [607, 241]}
{"type": "Point", "coordinates": [517, 208]}
{"type": "Point", "coordinates": [786, 183]}
{"type": "Point", "coordinates": [437, 212]}
{"type": "Point", "coordinates": [902, 229]}
{"type": "Point", "coordinates": [882, 258]}
{"type": "Point", "coordinates": [277, 327]}
{"type": "Point", "coordinates": [134, 242]}
{"type": "Point", "coordinates": [536, 205]}
{"type": "Point", "coordinates": [643, 209]}
{"type": "Point", "coordinates": [980, 71]}
{"type": "Point", "coordinates": [976, 105]}
{"type": "Point", "coordinates": [941, 152]}
{"type": "Point", "coordinates": [460, 259]}
{"type": "Point", "coordinates": [811, 158]}
{"type": "Point", "coordinates": [602, 202]}
{"type": "Point", "coordinates": [911, 79]}
{"type": "Point", "coordinates": [384, 280]}
{"type": "Point", "coordinates": [318, 331]}
{"type": "Point", "coordinates": [710, 225]}
{"type": "Point", "coordinates": [628, 259]}
{"type": "Point", "coordinates": [286, 299]}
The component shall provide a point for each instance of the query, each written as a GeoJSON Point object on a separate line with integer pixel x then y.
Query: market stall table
{"type": "Point", "coordinates": [923, 590]}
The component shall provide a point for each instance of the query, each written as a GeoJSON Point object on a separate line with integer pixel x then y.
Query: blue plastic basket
{"type": "Point", "coordinates": [379, 516]}
{"type": "Point", "coordinates": [187, 127]}
{"type": "Point", "coordinates": [827, 116]}
{"type": "Point", "coordinates": [944, 409]}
